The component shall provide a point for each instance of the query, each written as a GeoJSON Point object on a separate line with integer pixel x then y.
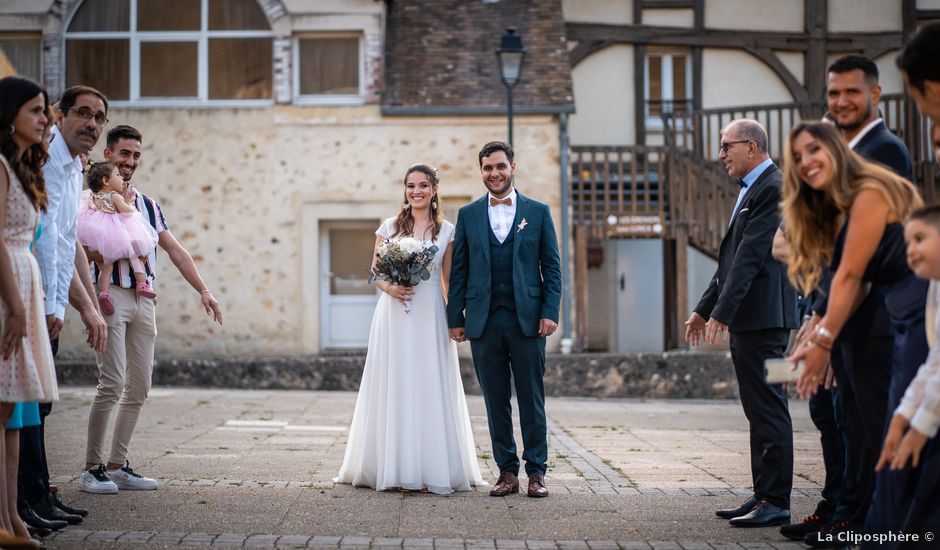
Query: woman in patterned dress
{"type": "Point", "coordinates": [26, 368]}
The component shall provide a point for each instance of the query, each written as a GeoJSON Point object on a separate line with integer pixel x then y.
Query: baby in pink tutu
{"type": "Point", "coordinates": [115, 230]}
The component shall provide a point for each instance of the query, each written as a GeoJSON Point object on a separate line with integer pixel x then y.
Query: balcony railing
{"type": "Point", "coordinates": [700, 130]}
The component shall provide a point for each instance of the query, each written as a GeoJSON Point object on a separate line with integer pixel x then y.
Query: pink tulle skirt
{"type": "Point", "coordinates": [119, 236]}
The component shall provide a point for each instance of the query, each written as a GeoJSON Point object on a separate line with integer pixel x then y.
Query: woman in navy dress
{"type": "Point", "coordinates": [842, 210]}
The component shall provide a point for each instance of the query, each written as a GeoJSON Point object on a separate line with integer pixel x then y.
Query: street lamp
{"type": "Point", "coordinates": [510, 55]}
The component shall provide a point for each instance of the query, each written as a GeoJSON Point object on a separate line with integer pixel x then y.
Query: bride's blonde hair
{"type": "Point", "coordinates": [812, 218]}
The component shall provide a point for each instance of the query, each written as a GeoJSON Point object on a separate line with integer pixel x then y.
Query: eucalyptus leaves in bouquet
{"type": "Point", "coordinates": [404, 262]}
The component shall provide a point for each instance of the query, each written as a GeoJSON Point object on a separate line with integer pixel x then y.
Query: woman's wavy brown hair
{"type": "Point", "coordinates": [405, 222]}
{"type": "Point", "coordinates": [26, 163]}
{"type": "Point", "coordinates": [812, 219]}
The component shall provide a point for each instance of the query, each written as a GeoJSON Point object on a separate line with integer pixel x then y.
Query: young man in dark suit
{"type": "Point", "coordinates": [750, 298]}
{"type": "Point", "coordinates": [505, 289]}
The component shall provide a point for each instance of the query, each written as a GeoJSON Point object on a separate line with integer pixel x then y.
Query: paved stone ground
{"type": "Point", "coordinates": [241, 468]}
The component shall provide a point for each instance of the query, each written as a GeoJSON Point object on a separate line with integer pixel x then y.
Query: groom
{"type": "Point", "coordinates": [505, 285]}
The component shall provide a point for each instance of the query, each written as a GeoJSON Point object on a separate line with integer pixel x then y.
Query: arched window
{"type": "Point", "coordinates": [153, 52]}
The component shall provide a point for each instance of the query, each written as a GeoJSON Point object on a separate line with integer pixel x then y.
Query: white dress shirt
{"type": "Point", "coordinates": [858, 137]}
{"type": "Point", "coordinates": [502, 216]}
{"type": "Point", "coordinates": [55, 249]}
{"type": "Point", "coordinates": [921, 402]}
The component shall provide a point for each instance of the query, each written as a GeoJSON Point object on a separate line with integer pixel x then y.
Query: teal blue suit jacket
{"type": "Point", "coordinates": [536, 269]}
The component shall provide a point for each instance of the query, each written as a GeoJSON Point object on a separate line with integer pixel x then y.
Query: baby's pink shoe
{"type": "Point", "coordinates": [104, 300]}
{"type": "Point", "coordinates": [145, 290]}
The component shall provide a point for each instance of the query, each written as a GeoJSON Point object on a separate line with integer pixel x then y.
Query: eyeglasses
{"type": "Point", "coordinates": [87, 114]}
{"type": "Point", "coordinates": [727, 145]}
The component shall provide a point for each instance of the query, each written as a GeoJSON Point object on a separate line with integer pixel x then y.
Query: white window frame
{"type": "Point", "coordinates": [327, 99]}
{"type": "Point", "coordinates": [655, 123]}
{"type": "Point", "coordinates": [201, 37]}
{"type": "Point", "coordinates": [27, 35]}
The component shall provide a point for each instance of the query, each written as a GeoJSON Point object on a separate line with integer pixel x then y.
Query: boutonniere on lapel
{"type": "Point", "coordinates": [521, 225]}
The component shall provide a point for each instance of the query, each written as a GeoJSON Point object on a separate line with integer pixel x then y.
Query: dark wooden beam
{"type": "Point", "coordinates": [699, 21]}
{"type": "Point", "coordinates": [666, 4]}
{"type": "Point", "coordinates": [715, 38]}
{"type": "Point", "coordinates": [774, 63]}
{"type": "Point", "coordinates": [816, 23]}
{"type": "Point", "coordinates": [586, 48]}
{"type": "Point", "coordinates": [639, 93]}
{"type": "Point", "coordinates": [928, 15]}
{"type": "Point", "coordinates": [908, 18]}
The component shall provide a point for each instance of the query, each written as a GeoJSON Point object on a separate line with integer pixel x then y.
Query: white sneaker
{"type": "Point", "coordinates": [96, 481]}
{"type": "Point", "coordinates": [126, 479]}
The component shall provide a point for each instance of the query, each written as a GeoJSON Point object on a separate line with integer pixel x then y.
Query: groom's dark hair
{"type": "Point", "coordinates": [494, 146]}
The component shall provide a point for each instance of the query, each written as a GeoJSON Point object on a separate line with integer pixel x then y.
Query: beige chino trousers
{"type": "Point", "coordinates": [124, 374]}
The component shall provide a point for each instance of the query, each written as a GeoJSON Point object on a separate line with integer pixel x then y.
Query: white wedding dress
{"type": "Point", "coordinates": [411, 428]}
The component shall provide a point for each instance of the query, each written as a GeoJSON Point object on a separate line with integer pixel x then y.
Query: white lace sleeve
{"type": "Point", "coordinates": [451, 232]}
{"type": "Point", "coordinates": [386, 229]}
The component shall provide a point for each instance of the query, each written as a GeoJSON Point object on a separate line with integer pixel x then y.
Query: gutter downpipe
{"type": "Point", "coordinates": [566, 341]}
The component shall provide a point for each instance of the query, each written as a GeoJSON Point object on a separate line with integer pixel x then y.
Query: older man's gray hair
{"type": "Point", "coordinates": [750, 130]}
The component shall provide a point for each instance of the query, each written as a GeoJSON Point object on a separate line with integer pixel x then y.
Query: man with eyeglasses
{"type": "Point", "coordinates": [64, 268]}
{"type": "Point", "coordinates": [750, 298]}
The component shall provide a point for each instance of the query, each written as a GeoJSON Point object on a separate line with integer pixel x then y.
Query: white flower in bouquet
{"type": "Point", "coordinates": [410, 245]}
{"type": "Point", "coordinates": [404, 262]}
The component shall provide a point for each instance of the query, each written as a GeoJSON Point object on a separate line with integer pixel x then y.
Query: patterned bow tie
{"type": "Point", "coordinates": [494, 201]}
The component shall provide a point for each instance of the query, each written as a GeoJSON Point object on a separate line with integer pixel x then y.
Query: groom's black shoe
{"type": "Point", "coordinates": [748, 505]}
{"type": "Point", "coordinates": [508, 483]}
{"type": "Point", "coordinates": [764, 514]}
{"type": "Point", "coordinates": [537, 486]}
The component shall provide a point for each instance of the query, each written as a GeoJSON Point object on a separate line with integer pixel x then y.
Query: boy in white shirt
{"type": "Point", "coordinates": [912, 432]}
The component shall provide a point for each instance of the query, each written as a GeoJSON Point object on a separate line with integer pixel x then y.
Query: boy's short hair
{"type": "Point", "coordinates": [929, 214]}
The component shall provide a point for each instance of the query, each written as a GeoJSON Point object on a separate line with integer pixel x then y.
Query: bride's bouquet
{"type": "Point", "coordinates": [405, 262]}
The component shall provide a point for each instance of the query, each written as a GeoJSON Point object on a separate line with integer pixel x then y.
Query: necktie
{"type": "Point", "coordinates": [494, 201]}
{"type": "Point", "coordinates": [741, 183]}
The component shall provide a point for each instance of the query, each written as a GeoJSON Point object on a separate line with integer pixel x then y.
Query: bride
{"type": "Point", "coordinates": [411, 428]}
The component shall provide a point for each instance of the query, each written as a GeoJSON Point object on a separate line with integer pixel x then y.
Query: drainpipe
{"type": "Point", "coordinates": [566, 340]}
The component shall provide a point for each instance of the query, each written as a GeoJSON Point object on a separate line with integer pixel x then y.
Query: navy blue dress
{"type": "Point", "coordinates": [905, 299]}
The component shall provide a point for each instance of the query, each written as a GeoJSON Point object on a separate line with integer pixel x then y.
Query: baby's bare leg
{"type": "Point", "coordinates": [140, 276]}
{"type": "Point", "coordinates": [104, 276]}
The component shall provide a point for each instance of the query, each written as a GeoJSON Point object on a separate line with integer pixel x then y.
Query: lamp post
{"type": "Point", "coordinates": [510, 55]}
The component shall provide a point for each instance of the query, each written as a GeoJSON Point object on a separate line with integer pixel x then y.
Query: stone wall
{"type": "Point", "coordinates": [237, 187]}
{"type": "Point", "coordinates": [652, 375]}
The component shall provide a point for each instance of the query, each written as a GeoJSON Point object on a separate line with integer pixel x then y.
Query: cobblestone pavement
{"type": "Point", "coordinates": [254, 469]}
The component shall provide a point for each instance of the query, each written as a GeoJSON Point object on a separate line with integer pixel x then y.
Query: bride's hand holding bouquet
{"type": "Point", "coordinates": [404, 263]}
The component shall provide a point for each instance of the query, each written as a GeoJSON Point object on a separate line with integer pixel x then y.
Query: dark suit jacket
{"type": "Point", "coordinates": [536, 269]}
{"type": "Point", "coordinates": [750, 290]}
{"type": "Point", "coordinates": [882, 146]}
{"type": "Point", "coordinates": [871, 318]}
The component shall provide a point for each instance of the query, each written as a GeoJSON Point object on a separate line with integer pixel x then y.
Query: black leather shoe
{"type": "Point", "coordinates": [827, 536]}
{"type": "Point", "coordinates": [764, 514]}
{"type": "Point", "coordinates": [748, 505]}
{"type": "Point", "coordinates": [810, 524]}
{"type": "Point", "coordinates": [45, 509]}
{"type": "Point", "coordinates": [74, 510]}
{"type": "Point", "coordinates": [29, 516]}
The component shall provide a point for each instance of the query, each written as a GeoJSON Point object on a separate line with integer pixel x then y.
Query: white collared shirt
{"type": "Point", "coordinates": [55, 248]}
{"type": "Point", "coordinates": [921, 402]}
{"type": "Point", "coordinates": [859, 136]}
{"type": "Point", "coordinates": [502, 216]}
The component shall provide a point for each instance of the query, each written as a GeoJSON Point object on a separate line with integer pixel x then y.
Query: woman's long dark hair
{"type": "Point", "coordinates": [27, 164]}
{"type": "Point", "coordinates": [405, 222]}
